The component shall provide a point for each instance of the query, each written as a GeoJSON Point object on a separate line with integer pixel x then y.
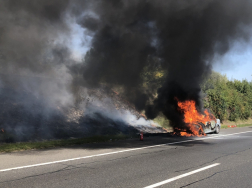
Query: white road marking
{"type": "Point", "coordinates": [211, 135]}
{"type": "Point", "coordinates": [182, 176]}
{"type": "Point", "coordinates": [115, 152]}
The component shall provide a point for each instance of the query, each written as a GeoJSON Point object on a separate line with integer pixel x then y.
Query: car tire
{"type": "Point", "coordinates": [217, 130]}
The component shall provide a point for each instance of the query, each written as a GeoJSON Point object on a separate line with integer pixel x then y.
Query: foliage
{"type": "Point", "coordinates": [162, 120]}
{"type": "Point", "coordinates": [228, 100]}
{"type": "Point", "coordinates": [153, 75]}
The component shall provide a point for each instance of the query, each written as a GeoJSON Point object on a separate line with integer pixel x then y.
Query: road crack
{"type": "Point", "coordinates": [214, 160]}
{"type": "Point", "coordinates": [203, 179]}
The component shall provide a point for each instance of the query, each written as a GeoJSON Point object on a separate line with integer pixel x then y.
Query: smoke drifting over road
{"type": "Point", "coordinates": [127, 35]}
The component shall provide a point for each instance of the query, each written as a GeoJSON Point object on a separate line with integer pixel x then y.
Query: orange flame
{"type": "Point", "coordinates": [192, 118]}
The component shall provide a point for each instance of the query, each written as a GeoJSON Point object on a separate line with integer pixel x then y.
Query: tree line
{"type": "Point", "coordinates": [227, 99]}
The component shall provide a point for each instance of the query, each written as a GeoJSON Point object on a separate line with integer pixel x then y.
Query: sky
{"type": "Point", "coordinates": [80, 42]}
{"type": "Point", "coordinates": [236, 64]}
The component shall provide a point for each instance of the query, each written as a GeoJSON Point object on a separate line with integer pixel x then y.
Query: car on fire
{"type": "Point", "coordinates": [212, 126]}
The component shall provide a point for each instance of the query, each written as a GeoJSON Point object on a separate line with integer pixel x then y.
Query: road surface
{"type": "Point", "coordinates": [223, 160]}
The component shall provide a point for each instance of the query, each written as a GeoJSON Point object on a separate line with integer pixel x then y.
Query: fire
{"type": "Point", "coordinates": [192, 118]}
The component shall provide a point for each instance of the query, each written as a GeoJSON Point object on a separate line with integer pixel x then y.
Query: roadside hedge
{"type": "Point", "coordinates": [228, 99]}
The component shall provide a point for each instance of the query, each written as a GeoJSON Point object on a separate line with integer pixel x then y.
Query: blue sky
{"type": "Point", "coordinates": [235, 64]}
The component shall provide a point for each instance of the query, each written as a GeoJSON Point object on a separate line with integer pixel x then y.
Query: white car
{"type": "Point", "coordinates": [212, 126]}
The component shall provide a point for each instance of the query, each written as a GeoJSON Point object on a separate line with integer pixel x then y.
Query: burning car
{"type": "Point", "coordinates": [196, 123]}
{"type": "Point", "coordinates": [212, 126]}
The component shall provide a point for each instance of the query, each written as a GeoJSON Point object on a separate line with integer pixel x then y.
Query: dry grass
{"type": "Point", "coordinates": [9, 147]}
{"type": "Point", "coordinates": [238, 122]}
{"type": "Point", "coordinates": [240, 125]}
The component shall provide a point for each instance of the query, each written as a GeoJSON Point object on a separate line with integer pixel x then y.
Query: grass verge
{"type": "Point", "coordinates": [9, 147]}
{"type": "Point", "coordinates": [241, 125]}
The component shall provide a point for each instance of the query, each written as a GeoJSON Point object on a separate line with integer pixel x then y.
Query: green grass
{"type": "Point", "coordinates": [9, 147]}
{"type": "Point", "coordinates": [241, 125]}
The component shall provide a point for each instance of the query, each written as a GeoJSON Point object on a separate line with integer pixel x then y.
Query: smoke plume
{"type": "Point", "coordinates": [34, 55]}
{"type": "Point", "coordinates": [40, 77]}
{"type": "Point", "coordinates": [183, 35]}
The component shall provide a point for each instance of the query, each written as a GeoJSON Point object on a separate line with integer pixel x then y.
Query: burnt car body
{"type": "Point", "coordinates": [212, 126]}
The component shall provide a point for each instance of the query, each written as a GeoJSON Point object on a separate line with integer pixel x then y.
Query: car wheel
{"type": "Point", "coordinates": [217, 130]}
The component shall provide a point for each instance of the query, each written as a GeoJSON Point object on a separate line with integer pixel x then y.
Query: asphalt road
{"type": "Point", "coordinates": [223, 160]}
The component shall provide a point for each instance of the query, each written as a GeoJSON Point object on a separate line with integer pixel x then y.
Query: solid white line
{"type": "Point", "coordinates": [115, 152]}
{"type": "Point", "coordinates": [181, 176]}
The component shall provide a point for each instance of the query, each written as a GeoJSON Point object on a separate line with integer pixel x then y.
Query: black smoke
{"type": "Point", "coordinates": [41, 92]}
{"type": "Point", "coordinates": [183, 35]}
